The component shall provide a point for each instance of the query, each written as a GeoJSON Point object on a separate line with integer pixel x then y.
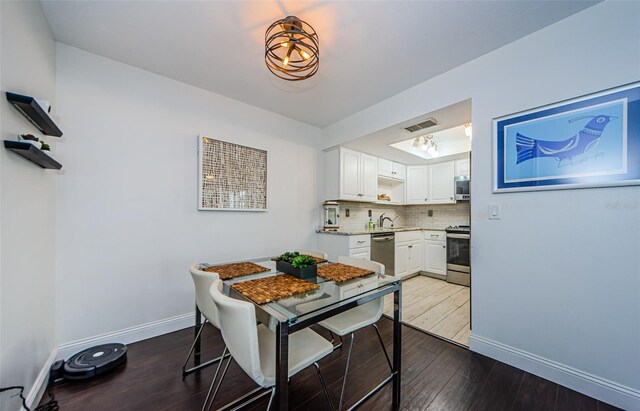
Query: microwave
{"type": "Point", "coordinates": [461, 185]}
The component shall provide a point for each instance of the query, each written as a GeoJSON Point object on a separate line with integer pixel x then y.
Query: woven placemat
{"type": "Point", "coordinates": [341, 272]}
{"type": "Point", "coordinates": [265, 290]}
{"type": "Point", "coordinates": [229, 271]}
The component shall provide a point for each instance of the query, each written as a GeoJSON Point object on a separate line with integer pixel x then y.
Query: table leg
{"type": "Point", "coordinates": [196, 352]}
{"type": "Point", "coordinates": [397, 345]}
{"type": "Point", "coordinates": [282, 366]}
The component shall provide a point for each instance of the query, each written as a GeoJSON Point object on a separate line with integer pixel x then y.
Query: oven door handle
{"type": "Point", "coordinates": [462, 236]}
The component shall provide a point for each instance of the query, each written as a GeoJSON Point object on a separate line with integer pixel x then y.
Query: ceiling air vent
{"type": "Point", "coordinates": [430, 122]}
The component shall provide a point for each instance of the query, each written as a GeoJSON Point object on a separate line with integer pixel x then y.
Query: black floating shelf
{"type": "Point", "coordinates": [33, 154]}
{"type": "Point", "coordinates": [30, 108]}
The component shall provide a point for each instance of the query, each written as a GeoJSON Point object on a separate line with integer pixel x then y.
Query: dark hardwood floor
{"type": "Point", "coordinates": [436, 375]}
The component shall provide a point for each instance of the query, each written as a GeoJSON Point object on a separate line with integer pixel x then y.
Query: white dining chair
{"type": "Point", "coordinates": [253, 347]}
{"type": "Point", "coordinates": [202, 281]}
{"type": "Point", "coordinates": [314, 253]}
{"type": "Point", "coordinates": [357, 318]}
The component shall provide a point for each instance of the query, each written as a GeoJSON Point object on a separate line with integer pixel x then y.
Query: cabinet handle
{"type": "Point", "coordinates": [450, 198]}
{"type": "Point", "coordinates": [360, 242]}
{"type": "Point", "coordinates": [444, 246]}
{"type": "Point", "coordinates": [425, 199]}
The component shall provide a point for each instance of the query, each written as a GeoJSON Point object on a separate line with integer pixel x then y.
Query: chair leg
{"type": "Point", "coordinates": [383, 347]}
{"type": "Point", "coordinates": [273, 394]}
{"type": "Point", "coordinates": [336, 346]}
{"type": "Point", "coordinates": [210, 399]}
{"type": "Point", "coordinates": [186, 371]}
{"type": "Point", "coordinates": [195, 340]}
{"type": "Point", "coordinates": [346, 371]}
{"type": "Point", "coordinates": [324, 387]}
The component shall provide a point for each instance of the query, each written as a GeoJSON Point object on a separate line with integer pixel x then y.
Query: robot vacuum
{"type": "Point", "coordinates": [94, 361]}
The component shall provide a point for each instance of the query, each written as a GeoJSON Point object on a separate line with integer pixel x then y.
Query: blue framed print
{"type": "Point", "coordinates": [588, 141]}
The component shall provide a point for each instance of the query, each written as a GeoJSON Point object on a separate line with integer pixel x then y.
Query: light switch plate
{"type": "Point", "coordinates": [494, 212]}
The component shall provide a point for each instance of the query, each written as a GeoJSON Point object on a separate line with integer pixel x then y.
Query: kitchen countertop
{"type": "Point", "coordinates": [385, 230]}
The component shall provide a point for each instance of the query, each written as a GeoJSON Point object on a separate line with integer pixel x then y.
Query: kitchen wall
{"type": "Point", "coordinates": [555, 281]}
{"type": "Point", "coordinates": [127, 221]}
{"type": "Point", "coordinates": [443, 215]}
{"type": "Point", "coordinates": [27, 207]}
{"type": "Point", "coordinates": [359, 215]}
{"type": "Point", "coordinates": [411, 215]}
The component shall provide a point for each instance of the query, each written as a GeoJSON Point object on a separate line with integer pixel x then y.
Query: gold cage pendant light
{"type": "Point", "coordinates": [292, 49]}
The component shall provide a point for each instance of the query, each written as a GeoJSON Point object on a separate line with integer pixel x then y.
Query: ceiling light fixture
{"type": "Point", "coordinates": [426, 143]}
{"type": "Point", "coordinates": [292, 49]}
{"type": "Point", "coordinates": [467, 130]}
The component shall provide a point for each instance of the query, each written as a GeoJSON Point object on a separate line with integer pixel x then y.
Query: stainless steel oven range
{"type": "Point", "coordinates": [458, 255]}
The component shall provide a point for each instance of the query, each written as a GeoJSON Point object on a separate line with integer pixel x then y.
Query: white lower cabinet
{"type": "Point", "coordinates": [435, 253]}
{"type": "Point", "coordinates": [336, 245]}
{"type": "Point", "coordinates": [408, 253]}
{"type": "Point", "coordinates": [363, 253]}
{"type": "Point", "coordinates": [415, 257]}
{"type": "Point", "coordinates": [402, 260]}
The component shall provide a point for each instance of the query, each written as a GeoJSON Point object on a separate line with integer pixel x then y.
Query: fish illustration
{"type": "Point", "coordinates": [581, 142]}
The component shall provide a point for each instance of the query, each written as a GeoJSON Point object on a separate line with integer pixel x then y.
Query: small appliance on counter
{"type": "Point", "coordinates": [331, 216]}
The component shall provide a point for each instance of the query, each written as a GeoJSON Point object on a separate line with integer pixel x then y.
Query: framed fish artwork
{"type": "Point", "coordinates": [588, 141]}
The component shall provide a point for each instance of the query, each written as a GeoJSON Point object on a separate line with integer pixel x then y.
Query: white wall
{"type": "Point", "coordinates": [27, 205]}
{"type": "Point", "coordinates": [556, 282]}
{"type": "Point", "coordinates": [127, 219]}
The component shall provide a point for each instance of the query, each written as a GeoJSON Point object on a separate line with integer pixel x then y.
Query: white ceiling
{"type": "Point", "coordinates": [369, 50]}
{"type": "Point", "coordinates": [450, 142]}
{"type": "Point", "coordinates": [449, 118]}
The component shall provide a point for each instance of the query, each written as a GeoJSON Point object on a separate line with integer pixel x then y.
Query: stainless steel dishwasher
{"type": "Point", "coordinates": [383, 251]}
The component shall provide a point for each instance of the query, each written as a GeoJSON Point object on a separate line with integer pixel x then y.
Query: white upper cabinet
{"type": "Point", "coordinates": [351, 175]}
{"type": "Point", "coordinates": [417, 184]}
{"type": "Point", "coordinates": [368, 177]}
{"type": "Point", "coordinates": [432, 184]}
{"type": "Point", "coordinates": [385, 167]}
{"type": "Point", "coordinates": [400, 171]}
{"type": "Point", "coordinates": [391, 169]}
{"type": "Point", "coordinates": [463, 167]}
{"type": "Point", "coordinates": [440, 184]}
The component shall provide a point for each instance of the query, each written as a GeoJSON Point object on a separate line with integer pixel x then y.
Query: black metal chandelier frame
{"type": "Point", "coordinates": [292, 49]}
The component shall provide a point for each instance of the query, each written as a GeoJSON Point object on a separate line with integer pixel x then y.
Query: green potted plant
{"type": "Point", "coordinates": [301, 266]}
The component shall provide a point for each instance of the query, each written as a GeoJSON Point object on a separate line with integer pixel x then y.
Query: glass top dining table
{"type": "Point", "coordinates": [291, 314]}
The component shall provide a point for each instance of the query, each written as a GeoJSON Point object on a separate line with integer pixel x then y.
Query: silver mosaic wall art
{"type": "Point", "coordinates": [231, 176]}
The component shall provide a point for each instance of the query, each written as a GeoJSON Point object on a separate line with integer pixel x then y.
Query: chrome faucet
{"type": "Point", "coordinates": [382, 220]}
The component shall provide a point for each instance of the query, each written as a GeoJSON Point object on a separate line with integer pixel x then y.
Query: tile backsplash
{"type": "Point", "coordinates": [443, 215]}
{"type": "Point", "coordinates": [359, 215]}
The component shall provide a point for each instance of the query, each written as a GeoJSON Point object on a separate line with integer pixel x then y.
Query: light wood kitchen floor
{"type": "Point", "coordinates": [436, 306]}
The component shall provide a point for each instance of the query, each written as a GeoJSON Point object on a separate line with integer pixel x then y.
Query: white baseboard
{"type": "Point", "coordinates": [129, 335]}
{"type": "Point", "coordinates": [41, 382]}
{"type": "Point", "coordinates": [602, 389]}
